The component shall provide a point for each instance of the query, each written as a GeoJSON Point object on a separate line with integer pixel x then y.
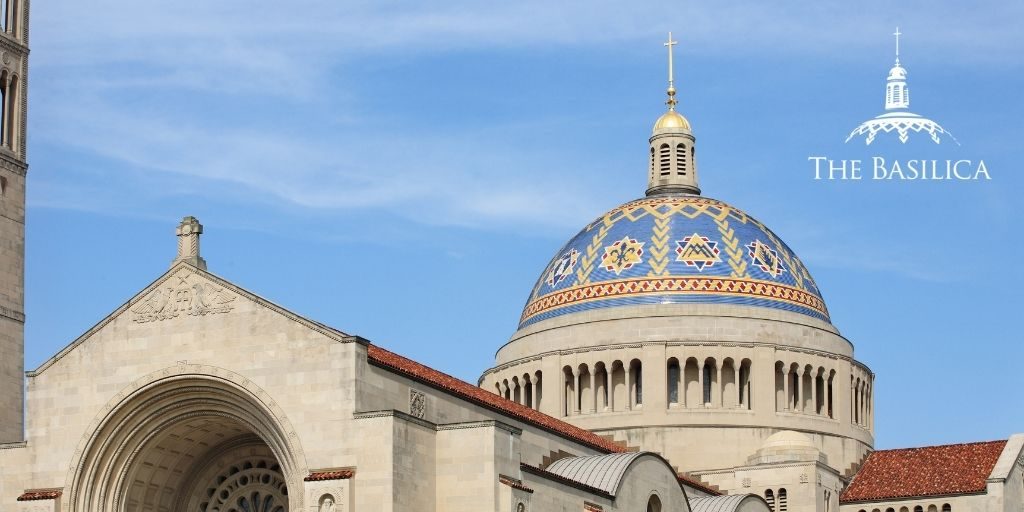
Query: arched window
{"type": "Point", "coordinates": [831, 377]}
{"type": "Point", "coordinates": [780, 386]}
{"type": "Point", "coordinates": [769, 496]}
{"type": "Point", "coordinates": [794, 390]}
{"type": "Point", "coordinates": [727, 376]}
{"type": "Point", "coordinates": [919, 508]}
{"type": "Point", "coordinates": [638, 382]}
{"type": "Point", "coordinates": [946, 507]}
{"type": "Point", "coordinates": [691, 378]}
{"type": "Point", "coordinates": [666, 159]}
{"type": "Point", "coordinates": [654, 504]}
{"type": "Point", "coordinates": [783, 498]}
{"type": "Point", "coordinates": [12, 12]}
{"type": "Point", "coordinates": [673, 381]}
{"type": "Point", "coordinates": [933, 508]}
{"type": "Point", "coordinates": [4, 77]}
{"type": "Point", "coordinates": [601, 378]}
{"type": "Point", "coordinates": [508, 391]}
{"type": "Point", "coordinates": [707, 383]}
{"type": "Point", "coordinates": [585, 395]}
{"type": "Point", "coordinates": [819, 392]}
{"type": "Point", "coordinates": [890, 509]}
{"type": "Point", "coordinates": [744, 385]}
{"type": "Point", "coordinates": [681, 159]}
{"type": "Point", "coordinates": [12, 107]}
{"type": "Point", "coordinates": [569, 390]}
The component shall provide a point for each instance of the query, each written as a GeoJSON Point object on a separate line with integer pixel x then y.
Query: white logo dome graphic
{"type": "Point", "coordinates": [897, 117]}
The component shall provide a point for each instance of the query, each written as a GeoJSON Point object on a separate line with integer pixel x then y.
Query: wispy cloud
{"type": "Point", "coordinates": [113, 73]}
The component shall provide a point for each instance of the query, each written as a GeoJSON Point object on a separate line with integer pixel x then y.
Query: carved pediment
{"type": "Point", "coordinates": [183, 296]}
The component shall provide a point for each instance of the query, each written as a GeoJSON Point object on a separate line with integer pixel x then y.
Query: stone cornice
{"type": "Point", "coordinates": [11, 163]}
{"type": "Point", "coordinates": [17, 316]}
{"type": "Point", "coordinates": [13, 45]}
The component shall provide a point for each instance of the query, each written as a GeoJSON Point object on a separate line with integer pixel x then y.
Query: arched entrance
{"type": "Point", "coordinates": [190, 443]}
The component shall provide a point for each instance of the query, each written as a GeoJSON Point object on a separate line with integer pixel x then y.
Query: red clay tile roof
{"type": "Point", "coordinates": [318, 476]}
{"type": "Point", "coordinates": [39, 495]}
{"type": "Point", "coordinates": [483, 398]}
{"type": "Point", "coordinates": [513, 483]}
{"type": "Point", "coordinates": [927, 471]}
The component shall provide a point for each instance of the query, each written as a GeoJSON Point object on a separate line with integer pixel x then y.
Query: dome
{"type": "Point", "coordinates": [897, 73]}
{"type": "Point", "coordinates": [787, 439]}
{"type": "Point", "coordinates": [673, 248]}
{"type": "Point", "coordinates": [787, 446]}
{"type": "Point", "coordinates": [670, 120]}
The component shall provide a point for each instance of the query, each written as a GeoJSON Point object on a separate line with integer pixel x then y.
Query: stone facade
{"type": "Point", "coordinates": [13, 81]}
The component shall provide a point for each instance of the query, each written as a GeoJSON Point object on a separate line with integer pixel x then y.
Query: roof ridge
{"type": "Point", "coordinates": [482, 397]}
{"type": "Point", "coordinates": [968, 443]}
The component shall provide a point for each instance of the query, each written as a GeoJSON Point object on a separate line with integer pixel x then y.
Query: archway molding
{"type": "Point", "coordinates": [118, 446]}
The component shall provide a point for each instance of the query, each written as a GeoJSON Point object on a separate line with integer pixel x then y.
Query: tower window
{"type": "Point", "coordinates": [769, 496]}
{"type": "Point", "coordinates": [681, 160]}
{"type": "Point", "coordinates": [665, 155]}
{"type": "Point", "coordinates": [783, 506]}
{"type": "Point", "coordinates": [652, 163]}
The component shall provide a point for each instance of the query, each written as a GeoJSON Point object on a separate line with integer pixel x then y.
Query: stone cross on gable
{"type": "Point", "coordinates": [188, 243]}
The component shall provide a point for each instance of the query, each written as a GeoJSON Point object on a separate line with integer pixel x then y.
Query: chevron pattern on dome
{"type": "Point", "coordinates": [678, 248]}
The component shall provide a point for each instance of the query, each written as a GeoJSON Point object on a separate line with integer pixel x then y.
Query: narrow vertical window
{"type": "Point", "coordinates": [652, 163]}
{"type": "Point", "coordinates": [666, 159]}
{"type": "Point", "coordinates": [783, 506]}
{"type": "Point", "coordinates": [639, 384]}
{"type": "Point", "coordinates": [769, 496]}
{"type": "Point", "coordinates": [673, 381]}
{"type": "Point", "coordinates": [11, 109]}
{"type": "Point", "coordinates": [681, 159]}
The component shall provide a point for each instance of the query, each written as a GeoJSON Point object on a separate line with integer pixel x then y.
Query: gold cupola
{"type": "Point", "coordinates": [673, 164]}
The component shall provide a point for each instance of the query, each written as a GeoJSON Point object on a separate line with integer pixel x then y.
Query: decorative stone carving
{"type": "Point", "coordinates": [197, 299]}
{"type": "Point", "coordinates": [417, 403]}
{"type": "Point", "coordinates": [746, 482]}
{"type": "Point", "coordinates": [327, 503]}
{"type": "Point", "coordinates": [328, 496]}
{"type": "Point", "coordinates": [803, 478]}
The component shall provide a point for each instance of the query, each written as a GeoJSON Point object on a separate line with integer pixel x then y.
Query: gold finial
{"type": "Point", "coordinates": [671, 79]}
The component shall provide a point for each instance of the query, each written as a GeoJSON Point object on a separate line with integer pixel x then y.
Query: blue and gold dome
{"type": "Point", "coordinates": [673, 248]}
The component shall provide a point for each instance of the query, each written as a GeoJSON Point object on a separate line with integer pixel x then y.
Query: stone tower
{"type": "Point", "coordinates": [673, 163]}
{"type": "Point", "coordinates": [13, 168]}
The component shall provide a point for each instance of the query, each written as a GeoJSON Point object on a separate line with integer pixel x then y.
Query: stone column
{"type": "Point", "coordinates": [626, 367]}
{"type": "Point", "coordinates": [736, 382]}
{"type": "Point", "coordinates": [785, 389]}
{"type": "Point", "coordinates": [814, 393]}
{"type": "Point", "coordinates": [593, 391]}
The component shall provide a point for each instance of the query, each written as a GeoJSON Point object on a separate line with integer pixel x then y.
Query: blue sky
{"type": "Point", "coordinates": [404, 171]}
